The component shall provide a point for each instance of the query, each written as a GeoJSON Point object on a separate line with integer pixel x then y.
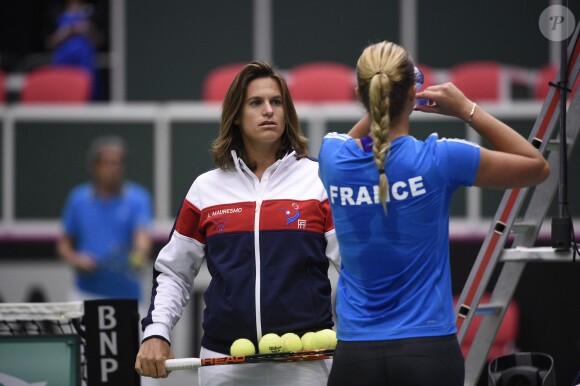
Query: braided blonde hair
{"type": "Point", "coordinates": [385, 72]}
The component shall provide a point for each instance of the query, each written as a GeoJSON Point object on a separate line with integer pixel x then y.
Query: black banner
{"type": "Point", "coordinates": [112, 342]}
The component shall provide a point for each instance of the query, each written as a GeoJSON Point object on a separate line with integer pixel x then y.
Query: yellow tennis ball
{"type": "Point", "coordinates": [308, 341]}
{"type": "Point", "coordinates": [325, 339]}
{"type": "Point", "coordinates": [292, 342]}
{"type": "Point", "coordinates": [271, 343]}
{"type": "Point", "coordinates": [242, 347]}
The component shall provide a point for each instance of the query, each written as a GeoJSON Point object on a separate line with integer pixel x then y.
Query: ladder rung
{"type": "Point", "coordinates": [536, 254]}
{"type": "Point", "coordinates": [488, 309]}
{"type": "Point", "coordinates": [522, 226]}
{"type": "Point", "coordinates": [482, 309]}
{"type": "Point", "coordinates": [554, 144]}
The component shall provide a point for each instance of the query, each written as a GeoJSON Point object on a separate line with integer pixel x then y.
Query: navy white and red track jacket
{"type": "Point", "coordinates": [267, 245]}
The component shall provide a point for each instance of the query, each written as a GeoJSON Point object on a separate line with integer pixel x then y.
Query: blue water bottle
{"type": "Point", "coordinates": [419, 80]}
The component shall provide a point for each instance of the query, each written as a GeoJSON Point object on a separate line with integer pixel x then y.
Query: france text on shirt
{"type": "Point", "coordinates": [359, 195]}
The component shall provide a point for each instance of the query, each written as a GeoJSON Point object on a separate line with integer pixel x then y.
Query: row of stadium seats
{"type": "Point", "coordinates": [483, 81]}
{"type": "Point", "coordinates": [311, 82]}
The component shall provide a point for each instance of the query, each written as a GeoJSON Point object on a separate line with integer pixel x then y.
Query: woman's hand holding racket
{"type": "Point", "coordinates": [153, 354]}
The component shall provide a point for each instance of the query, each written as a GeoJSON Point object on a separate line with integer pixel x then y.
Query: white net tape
{"type": "Point", "coordinates": [13, 312]}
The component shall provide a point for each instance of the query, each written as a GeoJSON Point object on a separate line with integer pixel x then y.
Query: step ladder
{"type": "Point", "coordinates": [524, 229]}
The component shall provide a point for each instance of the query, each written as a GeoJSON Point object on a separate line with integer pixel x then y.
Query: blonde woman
{"type": "Point", "coordinates": [390, 195]}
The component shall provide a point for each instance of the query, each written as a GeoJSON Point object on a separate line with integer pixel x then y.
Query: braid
{"type": "Point", "coordinates": [379, 112]}
{"type": "Point", "coordinates": [384, 73]}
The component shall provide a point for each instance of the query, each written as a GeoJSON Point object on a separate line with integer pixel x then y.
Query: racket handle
{"type": "Point", "coordinates": [182, 364]}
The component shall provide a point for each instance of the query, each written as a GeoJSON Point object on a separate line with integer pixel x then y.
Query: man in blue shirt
{"type": "Point", "coordinates": [106, 227]}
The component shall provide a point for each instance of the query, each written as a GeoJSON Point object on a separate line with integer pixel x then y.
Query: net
{"type": "Point", "coordinates": [50, 321]}
{"type": "Point", "coordinates": [74, 343]}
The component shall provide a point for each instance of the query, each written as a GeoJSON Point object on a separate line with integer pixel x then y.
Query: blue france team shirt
{"type": "Point", "coordinates": [395, 276]}
{"type": "Point", "coordinates": [104, 229]}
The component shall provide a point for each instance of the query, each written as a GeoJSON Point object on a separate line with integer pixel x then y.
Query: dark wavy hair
{"type": "Point", "coordinates": [230, 136]}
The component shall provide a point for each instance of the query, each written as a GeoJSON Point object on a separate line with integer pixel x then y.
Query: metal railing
{"type": "Point", "coordinates": [316, 118]}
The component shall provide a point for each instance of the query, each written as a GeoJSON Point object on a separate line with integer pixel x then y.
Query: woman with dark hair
{"type": "Point", "coordinates": [262, 223]}
{"type": "Point", "coordinates": [390, 195]}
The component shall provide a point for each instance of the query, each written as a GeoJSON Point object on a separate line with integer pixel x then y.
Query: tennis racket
{"type": "Point", "coordinates": [194, 363]}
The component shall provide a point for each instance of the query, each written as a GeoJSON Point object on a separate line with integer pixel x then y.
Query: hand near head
{"type": "Point", "coordinates": [512, 163]}
{"type": "Point", "coordinates": [445, 99]}
{"type": "Point", "coordinates": [151, 358]}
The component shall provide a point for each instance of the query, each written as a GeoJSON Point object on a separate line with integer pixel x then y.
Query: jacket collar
{"type": "Point", "coordinates": [241, 165]}
{"type": "Point", "coordinates": [248, 176]}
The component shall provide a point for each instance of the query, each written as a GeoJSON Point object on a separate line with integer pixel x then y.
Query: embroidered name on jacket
{"type": "Point", "coordinates": [224, 211]}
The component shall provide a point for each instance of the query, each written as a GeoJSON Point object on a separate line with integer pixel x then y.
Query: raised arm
{"type": "Point", "coordinates": [361, 128]}
{"type": "Point", "coordinates": [512, 163]}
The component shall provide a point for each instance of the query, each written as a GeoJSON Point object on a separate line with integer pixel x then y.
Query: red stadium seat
{"type": "Point", "coordinates": [322, 82]}
{"type": "Point", "coordinates": [481, 81]}
{"type": "Point", "coordinates": [505, 340]}
{"type": "Point", "coordinates": [56, 84]}
{"type": "Point", "coordinates": [217, 82]}
{"type": "Point", "coordinates": [2, 87]}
